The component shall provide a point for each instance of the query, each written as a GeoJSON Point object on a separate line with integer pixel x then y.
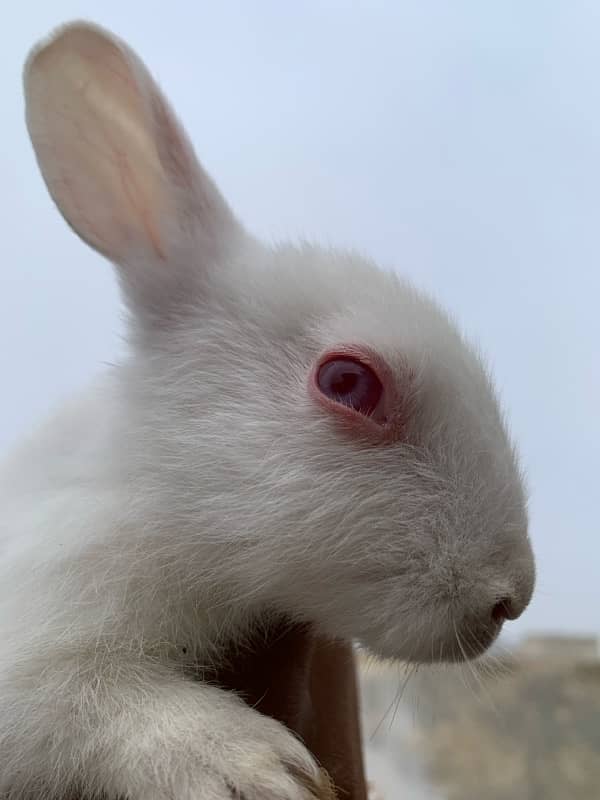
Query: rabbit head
{"type": "Point", "coordinates": [314, 434]}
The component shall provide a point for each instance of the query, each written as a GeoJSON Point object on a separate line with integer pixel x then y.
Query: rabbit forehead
{"type": "Point", "coordinates": [343, 295]}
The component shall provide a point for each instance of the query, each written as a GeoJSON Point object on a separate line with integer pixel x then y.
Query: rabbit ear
{"type": "Point", "coordinates": [120, 168]}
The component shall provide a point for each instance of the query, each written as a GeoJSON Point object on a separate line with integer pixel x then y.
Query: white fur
{"type": "Point", "coordinates": [197, 489]}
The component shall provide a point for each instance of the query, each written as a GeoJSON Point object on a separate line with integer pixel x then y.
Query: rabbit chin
{"type": "Point", "coordinates": [449, 647]}
{"type": "Point", "coordinates": [443, 635]}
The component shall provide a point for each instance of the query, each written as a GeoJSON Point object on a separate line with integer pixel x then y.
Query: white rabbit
{"type": "Point", "coordinates": [294, 433]}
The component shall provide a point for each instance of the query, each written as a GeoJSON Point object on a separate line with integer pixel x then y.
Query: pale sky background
{"type": "Point", "coordinates": [457, 141]}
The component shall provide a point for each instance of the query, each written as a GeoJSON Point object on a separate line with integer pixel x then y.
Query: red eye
{"type": "Point", "coordinates": [351, 383]}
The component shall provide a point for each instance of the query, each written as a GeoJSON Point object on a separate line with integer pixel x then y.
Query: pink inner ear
{"type": "Point", "coordinates": [388, 421]}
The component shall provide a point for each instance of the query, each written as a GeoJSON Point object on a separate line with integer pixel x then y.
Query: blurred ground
{"type": "Point", "coordinates": [524, 727]}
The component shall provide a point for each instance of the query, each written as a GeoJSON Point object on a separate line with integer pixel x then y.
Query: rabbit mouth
{"type": "Point", "coordinates": [443, 634]}
{"type": "Point", "coordinates": [468, 644]}
{"type": "Point", "coordinates": [458, 646]}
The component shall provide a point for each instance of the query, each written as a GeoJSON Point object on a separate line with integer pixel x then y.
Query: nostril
{"type": "Point", "coordinates": [504, 610]}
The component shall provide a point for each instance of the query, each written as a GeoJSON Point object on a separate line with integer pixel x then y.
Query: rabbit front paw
{"type": "Point", "coordinates": [243, 755]}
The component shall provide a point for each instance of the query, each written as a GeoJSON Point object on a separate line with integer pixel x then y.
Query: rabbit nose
{"type": "Point", "coordinates": [505, 609]}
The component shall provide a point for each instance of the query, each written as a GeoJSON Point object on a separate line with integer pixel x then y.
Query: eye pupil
{"type": "Point", "coordinates": [344, 383]}
{"type": "Point", "coordinates": [350, 383]}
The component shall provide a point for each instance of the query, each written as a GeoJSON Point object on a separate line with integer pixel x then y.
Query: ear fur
{"type": "Point", "coordinates": [119, 166]}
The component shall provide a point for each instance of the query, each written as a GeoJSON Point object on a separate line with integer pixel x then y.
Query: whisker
{"type": "Point", "coordinates": [401, 694]}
